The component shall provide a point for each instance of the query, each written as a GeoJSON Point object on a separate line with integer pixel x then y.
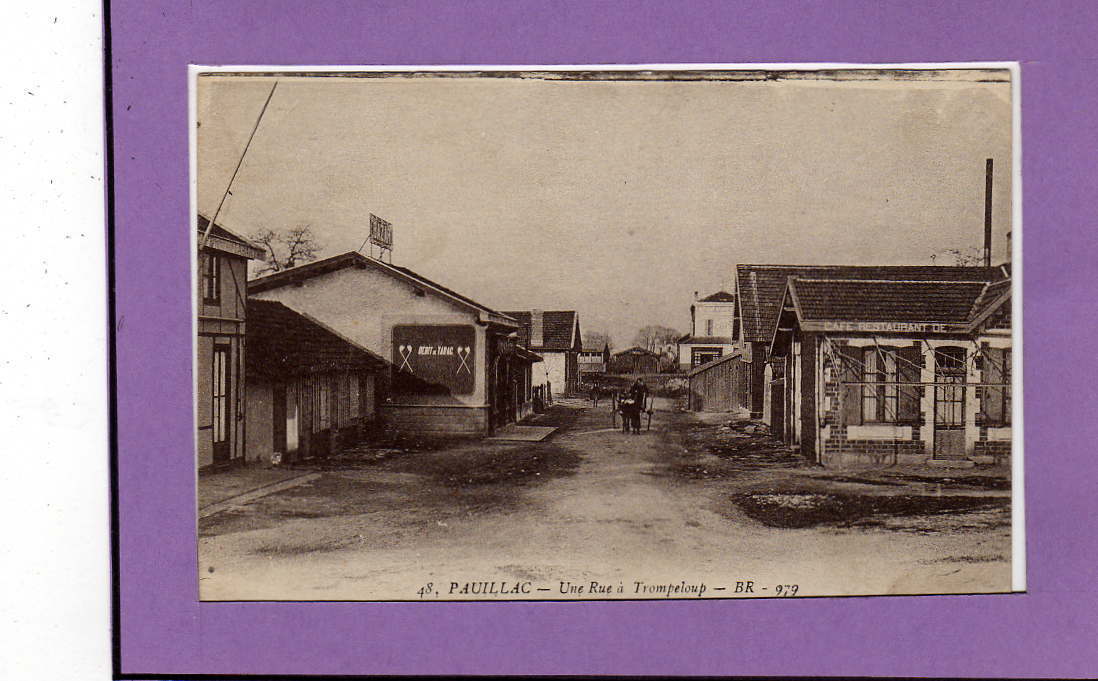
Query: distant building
{"type": "Point", "coordinates": [310, 391]}
{"type": "Point", "coordinates": [220, 346]}
{"type": "Point", "coordinates": [714, 330]}
{"type": "Point", "coordinates": [455, 366]}
{"type": "Point", "coordinates": [635, 360]}
{"type": "Point", "coordinates": [555, 336]}
{"type": "Point", "coordinates": [594, 360]}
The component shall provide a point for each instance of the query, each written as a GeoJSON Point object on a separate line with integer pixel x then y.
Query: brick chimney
{"type": "Point", "coordinates": [537, 328]}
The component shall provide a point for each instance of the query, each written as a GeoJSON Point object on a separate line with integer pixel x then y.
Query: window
{"type": "Point", "coordinates": [211, 279]}
{"type": "Point", "coordinates": [995, 395]}
{"type": "Point", "coordinates": [949, 375]}
{"type": "Point", "coordinates": [324, 394]}
{"type": "Point", "coordinates": [881, 384]}
{"type": "Point", "coordinates": [880, 395]}
{"type": "Point", "coordinates": [220, 403]}
{"type": "Point", "coordinates": [700, 356]}
{"type": "Point", "coordinates": [709, 327]}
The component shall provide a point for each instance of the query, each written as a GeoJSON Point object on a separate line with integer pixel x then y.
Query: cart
{"type": "Point", "coordinates": [647, 408]}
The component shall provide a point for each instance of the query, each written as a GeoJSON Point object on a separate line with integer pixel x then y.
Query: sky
{"type": "Point", "coordinates": [618, 199]}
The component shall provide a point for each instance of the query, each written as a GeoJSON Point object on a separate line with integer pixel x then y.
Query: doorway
{"type": "Point", "coordinates": [949, 403]}
{"type": "Point", "coordinates": [221, 405]}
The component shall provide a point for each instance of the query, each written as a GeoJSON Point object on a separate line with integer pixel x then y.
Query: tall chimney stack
{"type": "Point", "coordinates": [987, 214]}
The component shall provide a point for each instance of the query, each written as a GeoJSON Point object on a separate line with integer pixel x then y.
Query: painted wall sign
{"type": "Point", "coordinates": [897, 327]}
{"type": "Point", "coordinates": [434, 359]}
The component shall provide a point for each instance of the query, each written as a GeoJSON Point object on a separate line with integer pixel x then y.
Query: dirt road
{"type": "Point", "coordinates": [590, 505]}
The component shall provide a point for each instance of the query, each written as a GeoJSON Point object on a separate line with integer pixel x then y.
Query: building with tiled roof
{"type": "Point", "coordinates": [760, 289]}
{"type": "Point", "coordinates": [455, 366]}
{"type": "Point", "coordinates": [879, 371]}
{"type": "Point", "coordinates": [309, 389]}
{"type": "Point", "coordinates": [555, 336]}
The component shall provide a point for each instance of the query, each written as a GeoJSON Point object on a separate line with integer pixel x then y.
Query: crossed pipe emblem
{"type": "Point", "coordinates": [463, 354]}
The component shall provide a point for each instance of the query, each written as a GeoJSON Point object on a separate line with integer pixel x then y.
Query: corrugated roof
{"type": "Point", "coordinates": [557, 329]}
{"type": "Point", "coordinates": [885, 301]}
{"type": "Point", "coordinates": [719, 297]}
{"type": "Point", "coordinates": [282, 343]}
{"type": "Point", "coordinates": [761, 287]}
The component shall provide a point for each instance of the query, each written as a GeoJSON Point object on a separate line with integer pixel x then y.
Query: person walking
{"type": "Point", "coordinates": [628, 408]}
{"type": "Point", "coordinates": [638, 393]}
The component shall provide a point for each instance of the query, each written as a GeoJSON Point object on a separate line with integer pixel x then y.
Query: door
{"type": "Point", "coordinates": [222, 405]}
{"type": "Point", "coordinates": [278, 419]}
{"type": "Point", "coordinates": [292, 424]}
{"type": "Point", "coordinates": [321, 438]}
{"type": "Point", "coordinates": [949, 403]}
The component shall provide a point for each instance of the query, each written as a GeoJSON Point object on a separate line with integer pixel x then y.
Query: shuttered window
{"type": "Point", "coordinates": [995, 394]}
{"type": "Point", "coordinates": [850, 373]}
{"type": "Point", "coordinates": [211, 279]}
{"type": "Point", "coordinates": [909, 364]}
{"type": "Point", "coordinates": [885, 384]}
{"type": "Point", "coordinates": [880, 394]}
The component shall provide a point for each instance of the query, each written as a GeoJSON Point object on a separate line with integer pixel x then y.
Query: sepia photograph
{"type": "Point", "coordinates": [606, 333]}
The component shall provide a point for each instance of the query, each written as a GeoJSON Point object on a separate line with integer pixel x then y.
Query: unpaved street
{"type": "Point", "coordinates": [590, 504]}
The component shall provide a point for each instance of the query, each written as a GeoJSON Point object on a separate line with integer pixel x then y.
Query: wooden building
{"type": "Point", "coordinates": [636, 361]}
{"type": "Point", "coordinates": [454, 370]}
{"type": "Point", "coordinates": [310, 392]}
{"type": "Point", "coordinates": [220, 347]}
{"type": "Point", "coordinates": [872, 372]}
{"type": "Point", "coordinates": [723, 384]}
{"type": "Point", "coordinates": [594, 360]}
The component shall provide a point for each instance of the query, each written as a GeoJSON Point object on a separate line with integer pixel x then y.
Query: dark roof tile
{"type": "Point", "coordinates": [282, 343]}
{"type": "Point", "coordinates": [761, 287]}
{"type": "Point", "coordinates": [557, 326]}
{"type": "Point", "coordinates": [885, 301]}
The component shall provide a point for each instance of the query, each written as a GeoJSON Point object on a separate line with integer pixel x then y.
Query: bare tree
{"type": "Point", "coordinates": [596, 340]}
{"type": "Point", "coordinates": [655, 338]}
{"type": "Point", "coordinates": [286, 249]}
{"type": "Point", "coordinates": [958, 257]}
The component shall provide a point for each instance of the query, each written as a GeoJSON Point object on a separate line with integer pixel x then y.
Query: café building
{"type": "Point", "coordinates": [885, 372]}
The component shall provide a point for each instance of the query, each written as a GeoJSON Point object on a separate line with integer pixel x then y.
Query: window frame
{"type": "Point", "coordinates": [211, 279]}
{"type": "Point", "coordinates": [880, 385]}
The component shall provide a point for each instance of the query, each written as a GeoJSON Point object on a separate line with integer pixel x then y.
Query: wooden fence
{"type": "Point", "coordinates": [723, 384]}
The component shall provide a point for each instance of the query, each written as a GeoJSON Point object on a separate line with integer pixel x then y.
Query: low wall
{"type": "Point", "coordinates": [441, 420]}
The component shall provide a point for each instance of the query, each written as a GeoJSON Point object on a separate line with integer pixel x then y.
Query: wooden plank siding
{"type": "Point", "coordinates": [721, 385]}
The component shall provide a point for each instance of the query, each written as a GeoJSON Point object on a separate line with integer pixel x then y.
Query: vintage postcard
{"type": "Point", "coordinates": [598, 333]}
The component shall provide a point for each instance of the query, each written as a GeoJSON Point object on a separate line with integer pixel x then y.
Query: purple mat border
{"type": "Point", "coordinates": [1050, 631]}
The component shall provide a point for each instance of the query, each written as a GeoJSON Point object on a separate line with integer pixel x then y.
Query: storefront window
{"type": "Point", "coordinates": [995, 394]}
{"type": "Point", "coordinates": [881, 395]}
